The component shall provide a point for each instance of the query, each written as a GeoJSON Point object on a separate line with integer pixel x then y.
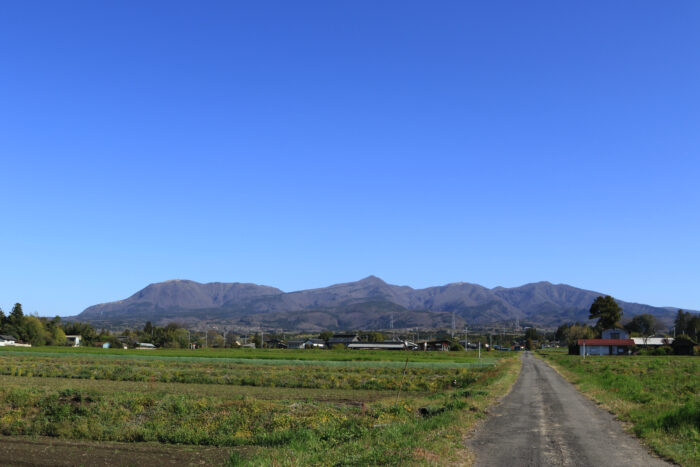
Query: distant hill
{"type": "Point", "coordinates": [369, 303]}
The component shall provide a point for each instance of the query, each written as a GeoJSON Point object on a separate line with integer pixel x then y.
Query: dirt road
{"type": "Point", "coordinates": [545, 421]}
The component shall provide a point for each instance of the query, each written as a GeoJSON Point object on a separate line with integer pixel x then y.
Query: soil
{"type": "Point", "coordinates": [44, 451]}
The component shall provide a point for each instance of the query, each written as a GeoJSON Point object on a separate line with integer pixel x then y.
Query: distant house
{"type": "Point", "coordinates": [344, 339]}
{"type": "Point", "coordinates": [386, 345]}
{"type": "Point", "coordinates": [74, 340]}
{"type": "Point", "coordinates": [7, 340]}
{"type": "Point", "coordinates": [306, 344]}
{"type": "Point", "coordinates": [145, 346]}
{"type": "Point", "coordinates": [441, 345]}
{"type": "Point", "coordinates": [275, 344]}
{"type": "Point", "coordinates": [652, 341]}
{"type": "Point", "coordinates": [104, 345]}
{"type": "Point", "coordinates": [612, 342]}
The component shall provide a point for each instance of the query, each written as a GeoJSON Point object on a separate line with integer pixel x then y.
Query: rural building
{"type": "Point", "coordinates": [386, 345]}
{"type": "Point", "coordinates": [441, 345]}
{"type": "Point", "coordinates": [274, 344]}
{"type": "Point", "coordinates": [74, 340]}
{"type": "Point", "coordinates": [7, 340]}
{"type": "Point", "coordinates": [652, 341]}
{"type": "Point", "coordinates": [145, 346]}
{"type": "Point", "coordinates": [104, 345]}
{"type": "Point", "coordinates": [344, 339]}
{"type": "Point", "coordinates": [306, 344]}
{"type": "Point", "coordinates": [613, 342]}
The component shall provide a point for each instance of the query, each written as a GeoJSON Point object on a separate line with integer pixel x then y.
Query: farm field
{"type": "Point", "coordinates": [310, 408]}
{"type": "Point", "coordinates": [659, 397]}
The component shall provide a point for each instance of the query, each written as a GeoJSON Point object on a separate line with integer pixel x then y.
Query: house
{"type": "Point", "coordinates": [144, 346]}
{"type": "Point", "coordinates": [386, 345]}
{"type": "Point", "coordinates": [104, 345]}
{"type": "Point", "coordinates": [74, 340]}
{"type": "Point", "coordinates": [343, 339]}
{"type": "Point", "coordinates": [612, 342]}
{"type": "Point", "coordinates": [7, 340]}
{"type": "Point", "coordinates": [306, 344]}
{"type": "Point", "coordinates": [274, 344]}
{"type": "Point", "coordinates": [652, 341]}
{"type": "Point", "coordinates": [441, 345]}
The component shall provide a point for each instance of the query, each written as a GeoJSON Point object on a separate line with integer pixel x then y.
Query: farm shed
{"type": "Point", "coordinates": [7, 340]}
{"type": "Point", "coordinates": [386, 345]}
{"type": "Point", "coordinates": [306, 344]}
{"type": "Point", "coordinates": [74, 340]}
{"type": "Point", "coordinates": [652, 341]}
{"type": "Point", "coordinates": [442, 345]}
{"type": "Point", "coordinates": [145, 346]}
{"type": "Point", "coordinates": [344, 339]}
{"type": "Point", "coordinates": [604, 346]}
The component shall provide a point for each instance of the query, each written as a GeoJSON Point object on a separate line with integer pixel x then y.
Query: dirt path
{"type": "Point", "coordinates": [545, 421]}
{"type": "Point", "coordinates": [42, 451]}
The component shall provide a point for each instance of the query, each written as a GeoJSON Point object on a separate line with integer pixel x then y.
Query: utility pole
{"type": "Point", "coordinates": [453, 324]}
{"type": "Point", "coordinates": [466, 337]}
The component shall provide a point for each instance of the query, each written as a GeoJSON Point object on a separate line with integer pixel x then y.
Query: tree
{"type": "Point", "coordinates": [683, 345]}
{"type": "Point", "coordinates": [645, 325]}
{"type": "Point", "coordinates": [257, 340]}
{"type": "Point", "coordinates": [531, 333]}
{"type": "Point", "coordinates": [606, 311]}
{"type": "Point", "coordinates": [325, 335]}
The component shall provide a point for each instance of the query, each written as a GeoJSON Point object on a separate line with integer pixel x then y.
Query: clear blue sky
{"type": "Point", "coordinates": [300, 144]}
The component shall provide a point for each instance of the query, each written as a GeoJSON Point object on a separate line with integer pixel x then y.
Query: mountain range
{"type": "Point", "coordinates": [369, 303]}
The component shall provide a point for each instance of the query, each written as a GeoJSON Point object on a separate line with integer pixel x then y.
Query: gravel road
{"type": "Point", "coordinates": [545, 421]}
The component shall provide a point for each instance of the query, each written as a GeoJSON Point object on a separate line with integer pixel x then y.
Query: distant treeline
{"type": "Point", "coordinates": [39, 331]}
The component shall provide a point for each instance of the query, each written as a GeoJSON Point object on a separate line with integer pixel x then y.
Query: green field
{"type": "Point", "coordinates": [658, 396]}
{"type": "Point", "coordinates": [288, 407]}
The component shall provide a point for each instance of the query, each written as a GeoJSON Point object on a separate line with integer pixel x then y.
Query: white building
{"type": "Point", "coordinates": [74, 340]}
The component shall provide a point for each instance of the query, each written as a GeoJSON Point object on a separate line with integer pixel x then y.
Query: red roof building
{"type": "Point", "coordinates": [604, 346]}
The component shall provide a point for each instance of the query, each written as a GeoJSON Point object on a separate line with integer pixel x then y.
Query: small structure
{"type": "Point", "coordinates": [613, 342]}
{"type": "Point", "coordinates": [104, 345]}
{"type": "Point", "coordinates": [74, 340]}
{"type": "Point", "coordinates": [344, 339]}
{"type": "Point", "coordinates": [652, 341]}
{"type": "Point", "coordinates": [274, 344]}
{"type": "Point", "coordinates": [145, 346]}
{"type": "Point", "coordinates": [7, 340]}
{"type": "Point", "coordinates": [441, 345]}
{"type": "Point", "coordinates": [306, 344]}
{"type": "Point", "coordinates": [386, 345]}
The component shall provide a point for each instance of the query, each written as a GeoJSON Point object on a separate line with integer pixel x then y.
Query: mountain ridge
{"type": "Point", "coordinates": [369, 303]}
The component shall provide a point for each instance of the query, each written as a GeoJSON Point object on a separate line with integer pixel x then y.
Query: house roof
{"type": "Point", "coordinates": [5, 337]}
{"type": "Point", "coordinates": [377, 345]}
{"type": "Point", "coordinates": [653, 340]}
{"type": "Point", "coordinates": [343, 338]}
{"type": "Point", "coordinates": [606, 342]}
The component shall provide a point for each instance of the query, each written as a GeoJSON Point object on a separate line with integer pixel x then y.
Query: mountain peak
{"type": "Point", "coordinates": [372, 280]}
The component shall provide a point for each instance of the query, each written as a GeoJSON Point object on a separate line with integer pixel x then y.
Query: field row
{"type": "Point", "coordinates": [375, 377]}
{"type": "Point", "coordinates": [270, 424]}
{"type": "Point", "coordinates": [268, 354]}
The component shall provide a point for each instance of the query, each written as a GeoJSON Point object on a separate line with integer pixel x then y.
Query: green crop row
{"type": "Point", "coordinates": [223, 372]}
